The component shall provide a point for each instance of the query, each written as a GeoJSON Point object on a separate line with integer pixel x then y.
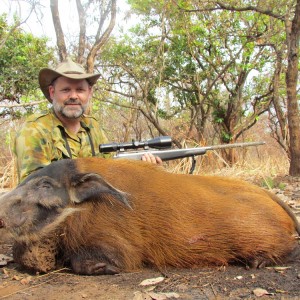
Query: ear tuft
{"type": "Point", "coordinates": [90, 186]}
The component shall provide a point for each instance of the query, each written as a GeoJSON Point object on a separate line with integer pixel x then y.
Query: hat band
{"type": "Point", "coordinates": [72, 72]}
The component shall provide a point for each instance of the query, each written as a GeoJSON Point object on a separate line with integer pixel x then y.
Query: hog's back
{"type": "Point", "coordinates": [181, 220]}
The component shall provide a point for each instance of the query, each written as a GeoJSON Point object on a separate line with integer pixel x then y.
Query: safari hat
{"type": "Point", "coordinates": [68, 69]}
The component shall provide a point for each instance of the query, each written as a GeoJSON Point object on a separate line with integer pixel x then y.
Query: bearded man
{"type": "Point", "coordinates": [65, 131]}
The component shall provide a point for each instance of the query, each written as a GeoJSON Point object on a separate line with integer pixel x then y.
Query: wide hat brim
{"type": "Point", "coordinates": [47, 76]}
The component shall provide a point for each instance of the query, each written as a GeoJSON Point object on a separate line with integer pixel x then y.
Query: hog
{"type": "Point", "coordinates": [105, 216]}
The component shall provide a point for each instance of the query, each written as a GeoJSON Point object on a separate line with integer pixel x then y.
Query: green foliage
{"type": "Point", "coordinates": [21, 57]}
{"type": "Point", "coordinates": [134, 64]}
{"type": "Point", "coordinates": [270, 183]}
{"type": "Point", "coordinates": [226, 137]}
{"type": "Point", "coordinates": [147, 7]}
{"type": "Point", "coordinates": [214, 66]}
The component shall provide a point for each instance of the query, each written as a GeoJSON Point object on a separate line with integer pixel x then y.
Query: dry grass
{"type": "Point", "coordinates": [8, 176]}
{"type": "Point", "coordinates": [256, 166]}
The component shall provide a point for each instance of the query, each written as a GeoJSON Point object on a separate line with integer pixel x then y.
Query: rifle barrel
{"type": "Point", "coordinates": [235, 145]}
{"type": "Point", "coordinates": [181, 153]}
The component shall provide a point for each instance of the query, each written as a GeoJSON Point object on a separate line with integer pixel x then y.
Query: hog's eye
{"type": "Point", "coordinates": [44, 184]}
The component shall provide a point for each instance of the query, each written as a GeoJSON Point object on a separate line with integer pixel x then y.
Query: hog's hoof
{"type": "Point", "coordinates": [92, 267]}
{"type": "Point", "coordinates": [259, 263]}
{"type": "Point", "coordinates": [39, 256]}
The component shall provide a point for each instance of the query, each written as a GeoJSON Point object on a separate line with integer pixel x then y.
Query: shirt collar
{"type": "Point", "coordinates": [83, 121]}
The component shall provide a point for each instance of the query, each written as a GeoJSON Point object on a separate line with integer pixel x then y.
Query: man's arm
{"type": "Point", "coordinates": [31, 150]}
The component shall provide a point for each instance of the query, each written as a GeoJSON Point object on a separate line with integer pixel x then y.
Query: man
{"type": "Point", "coordinates": [64, 131]}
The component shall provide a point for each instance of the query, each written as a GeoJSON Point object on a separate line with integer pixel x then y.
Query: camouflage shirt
{"type": "Point", "coordinates": [40, 141]}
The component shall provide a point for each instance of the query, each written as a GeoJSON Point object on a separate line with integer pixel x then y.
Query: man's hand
{"type": "Point", "coordinates": [149, 157]}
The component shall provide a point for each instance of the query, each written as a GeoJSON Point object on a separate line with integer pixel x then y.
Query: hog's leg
{"type": "Point", "coordinates": [92, 263]}
{"type": "Point", "coordinates": [259, 262]}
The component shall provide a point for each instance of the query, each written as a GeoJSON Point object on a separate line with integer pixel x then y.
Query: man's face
{"type": "Point", "coordinates": [70, 97]}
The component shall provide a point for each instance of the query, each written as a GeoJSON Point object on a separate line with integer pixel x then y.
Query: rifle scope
{"type": "Point", "coordinates": [161, 142]}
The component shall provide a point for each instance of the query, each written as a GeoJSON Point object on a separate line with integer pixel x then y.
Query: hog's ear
{"type": "Point", "coordinates": [90, 186]}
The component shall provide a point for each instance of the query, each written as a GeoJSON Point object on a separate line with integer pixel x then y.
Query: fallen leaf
{"type": "Point", "coordinates": [281, 291]}
{"type": "Point", "coordinates": [141, 296]}
{"type": "Point", "coordinates": [157, 296]}
{"type": "Point", "coordinates": [4, 259]}
{"type": "Point", "coordinates": [152, 281]}
{"type": "Point", "coordinates": [26, 280]}
{"type": "Point", "coordinates": [4, 271]}
{"type": "Point", "coordinates": [150, 288]}
{"type": "Point", "coordinates": [261, 292]}
{"type": "Point", "coordinates": [16, 277]}
{"type": "Point", "coordinates": [5, 274]}
{"type": "Point", "coordinates": [281, 269]}
{"type": "Point", "coordinates": [163, 296]}
{"type": "Point", "coordinates": [278, 269]}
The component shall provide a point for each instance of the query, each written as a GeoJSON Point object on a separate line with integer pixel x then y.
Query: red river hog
{"type": "Point", "coordinates": [104, 216]}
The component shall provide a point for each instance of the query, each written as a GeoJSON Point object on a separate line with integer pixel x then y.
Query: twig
{"type": "Point", "coordinates": [39, 284]}
{"type": "Point", "coordinates": [212, 288]}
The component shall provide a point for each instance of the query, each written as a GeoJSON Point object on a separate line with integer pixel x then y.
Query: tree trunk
{"type": "Point", "coordinates": [82, 32]}
{"type": "Point", "coordinates": [282, 134]}
{"type": "Point", "coordinates": [60, 39]}
{"type": "Point", "coordinates": [291, 84]}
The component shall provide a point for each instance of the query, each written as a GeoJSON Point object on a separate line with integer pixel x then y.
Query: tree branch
{"type": "Point", "coordinates": [102, 40]}
{"type": "Point", "coordinates": [222, 6]}
{"type": "Point", "coordinates": [22, 104]}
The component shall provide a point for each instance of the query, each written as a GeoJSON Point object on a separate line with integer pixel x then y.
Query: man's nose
{"type": "Point", "coordinates": [73, 94]}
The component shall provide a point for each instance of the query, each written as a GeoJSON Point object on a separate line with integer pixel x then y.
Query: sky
{"type": "Point", "coordinates": [40, 23]}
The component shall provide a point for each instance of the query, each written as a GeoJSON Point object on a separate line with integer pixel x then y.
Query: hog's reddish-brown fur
{"type": "Point", "coordinates": [178, 220]}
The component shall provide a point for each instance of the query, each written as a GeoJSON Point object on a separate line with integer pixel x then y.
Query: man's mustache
{"type": "Point", "coordinates": [72, 101]}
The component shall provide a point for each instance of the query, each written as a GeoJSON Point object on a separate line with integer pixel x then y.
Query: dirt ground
{"type": "Point", "coordinates": [231, 282]}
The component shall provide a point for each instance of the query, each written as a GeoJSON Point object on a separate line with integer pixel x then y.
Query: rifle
{"type": "Point", "coordinates": [162, 143]}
